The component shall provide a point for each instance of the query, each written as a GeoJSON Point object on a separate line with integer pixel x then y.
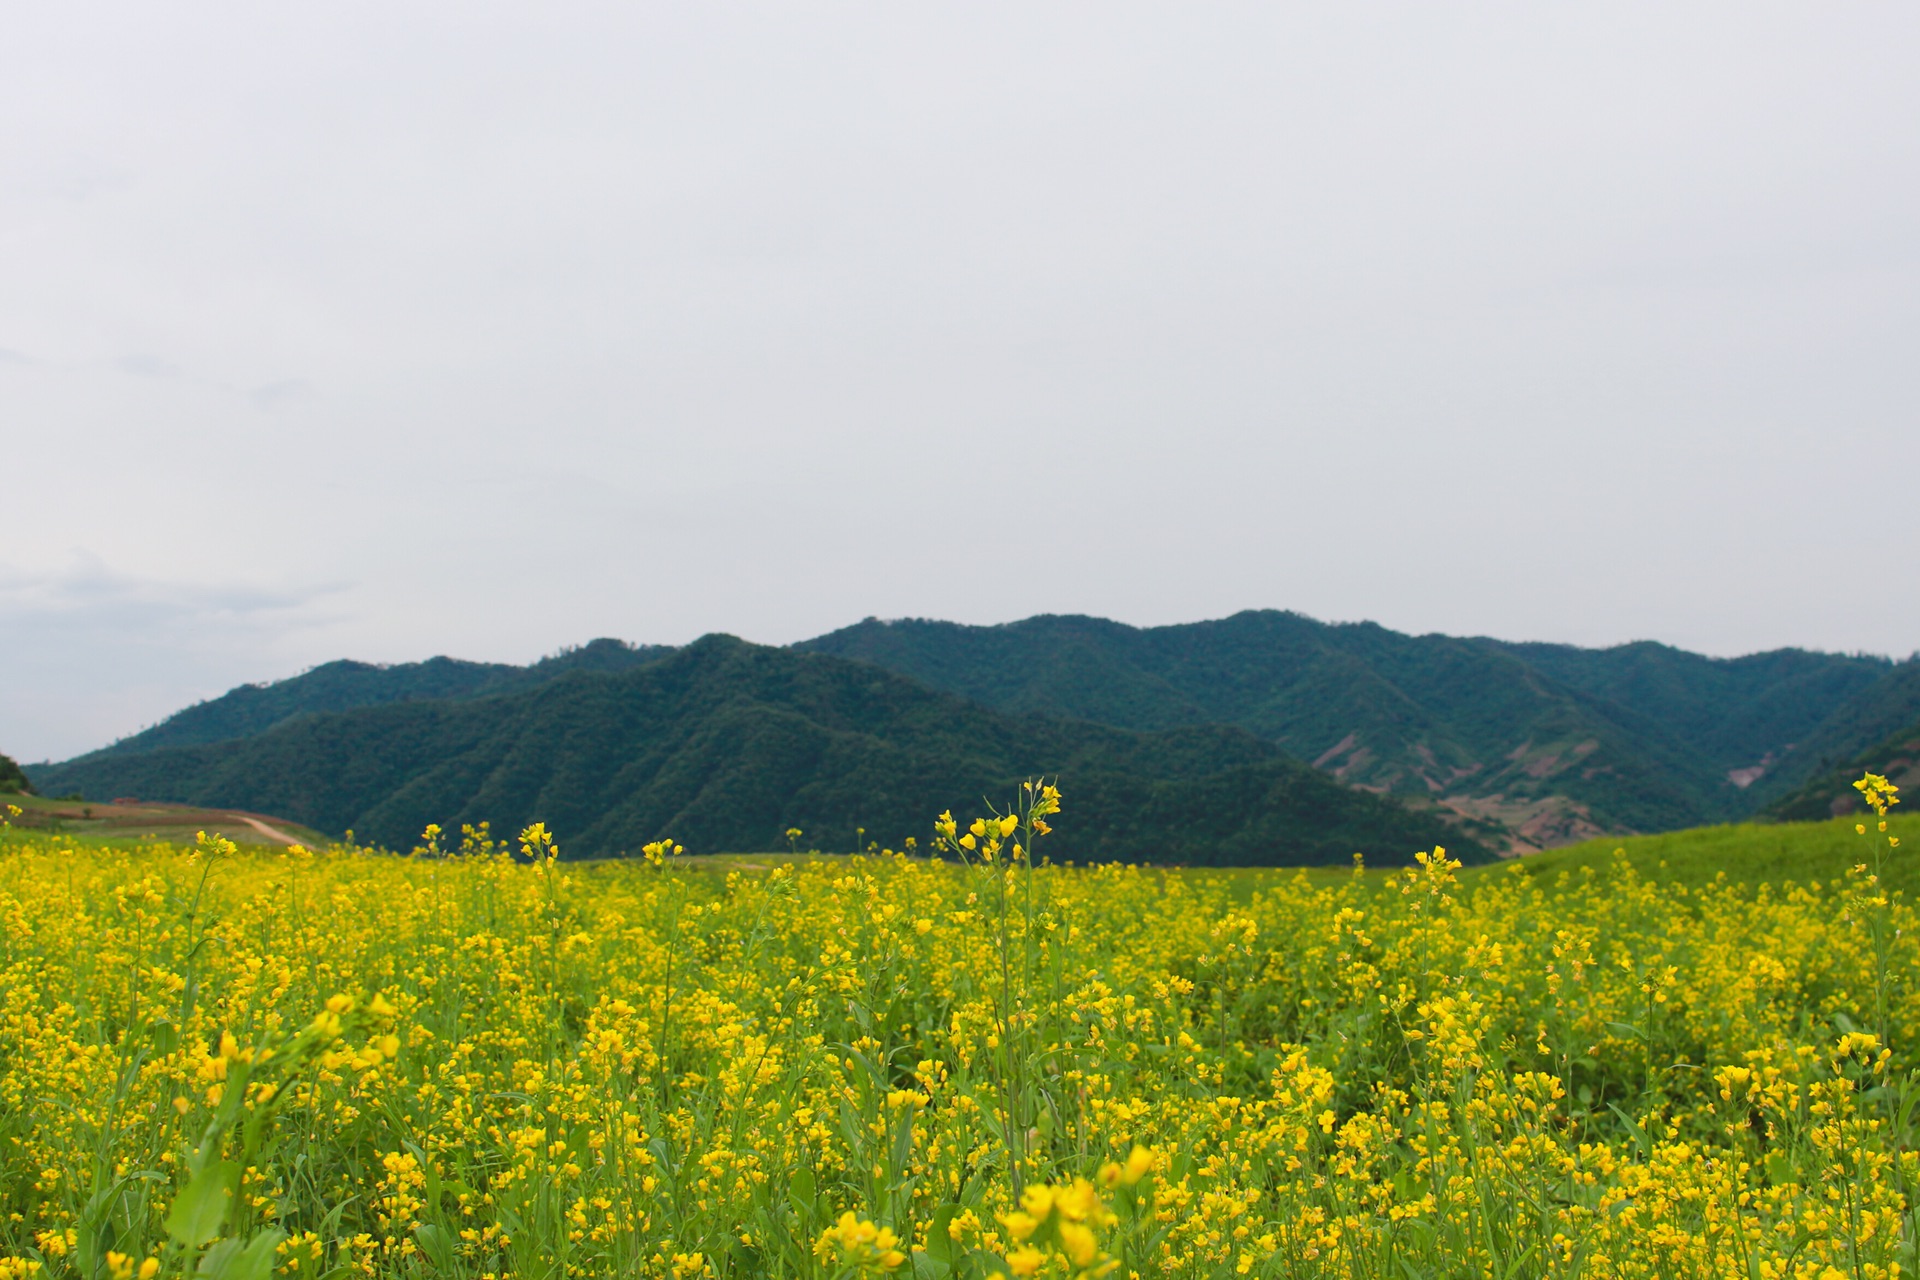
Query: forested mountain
{"type": "Point", "coordinates": [1528, 745]}
{"type": "Point", "coordinates": [724, 745]}
{"type": "Point", "coordinates": [342, 686]}
{"type": "Point", "coordinates": [1830, 792]}
{"type": "Point", "coordinates": [1730, 712]}
{"type": "Point", "coordinates": [1864, 724]}
{"type": "Point", "coordinates": [1553, 741]}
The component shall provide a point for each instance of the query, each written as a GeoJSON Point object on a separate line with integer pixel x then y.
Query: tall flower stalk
{"type": "Point", "coordinates": [1879, 795]}
{"type": "Point", "coordinates": [998, 849]}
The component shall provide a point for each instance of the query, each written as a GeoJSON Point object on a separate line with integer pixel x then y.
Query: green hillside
{"type": "Point", "coordinates": [1731, 712]}
{"type": "Point", "coordinates": [1552, 741]}
{"type": "Point", "coordinates": [1863, 726]}
{"type": "Point", "coordinates": [345, 685]}
{"type": "Point", "coordinates": [725, 745]}
{"type": "Point", "coordinates": [1748, 853]}
{"type": "Point", "coordinates": [1528, 745]}
{"type": "Point", "coordinates": [1896, 758]}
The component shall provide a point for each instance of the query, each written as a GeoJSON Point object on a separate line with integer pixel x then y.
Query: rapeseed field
{"type": "Point", "coordinates": [485, 1061]}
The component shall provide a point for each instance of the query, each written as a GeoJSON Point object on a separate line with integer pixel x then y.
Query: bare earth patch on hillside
{"type": "Point", "coordinates": [1546, 822]}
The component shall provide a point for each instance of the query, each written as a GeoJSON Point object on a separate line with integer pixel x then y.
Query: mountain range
{"type": "Point", "coordinates": [1512, 746]}
{"type": "Point", "coordinates": [1549, 743]}
{"type": "Point", "coordinates": [1829, 792]}
{"type": "Point", "coordinates": [725, 745]}
{"type": "Point", "coordinates": [346, 685]}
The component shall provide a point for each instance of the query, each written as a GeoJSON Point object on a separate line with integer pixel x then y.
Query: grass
{"type": "Point", "coordinates": [118, 822]}
{"type": "Point", "coordinates": [1745, 853]}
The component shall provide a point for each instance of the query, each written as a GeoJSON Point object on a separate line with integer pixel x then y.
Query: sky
{"type": "Point", "coordinates": [387, 330]}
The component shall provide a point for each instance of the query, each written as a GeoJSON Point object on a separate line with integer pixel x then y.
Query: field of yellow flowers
{"type": "Point", "coordinates": [485, 1061]}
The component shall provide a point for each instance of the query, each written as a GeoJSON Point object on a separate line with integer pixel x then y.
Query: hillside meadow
{"type": "Point", "coordinates": [1750, 853]}
{"type": "Point", "coordinates": [483, 1060]}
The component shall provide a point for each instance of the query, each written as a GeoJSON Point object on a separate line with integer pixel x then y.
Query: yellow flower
{"type": "Point", "coordinates": [1139, 1165]}
{"type": "Point", "coordinates": [1078, 1241]}
{"type": "Point", "coordinates": [860, 1245]}
{"type": "Point", "coordinates": [1877, 792]}
{"type": "Point", "coordinates": [659, 1059]}
{"type": "Point", "coordinates": [1019, 1225]}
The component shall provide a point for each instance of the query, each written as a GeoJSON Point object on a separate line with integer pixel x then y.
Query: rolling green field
{"type": "Point", "coordinates": [1745, 852]}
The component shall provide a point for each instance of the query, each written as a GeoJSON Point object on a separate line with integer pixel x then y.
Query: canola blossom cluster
{"type": "Point", "coordinates": [485, 1061]}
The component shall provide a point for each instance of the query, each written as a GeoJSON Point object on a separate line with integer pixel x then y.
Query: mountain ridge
{"type": "Point", "coordinates": [1521, 733]}
{"type": "Point", "coordinates": [345, 684]}
{"type": "Point", "coordinates": [724, 745]}
{"type": "Point", "coordinates": [1547, 743]}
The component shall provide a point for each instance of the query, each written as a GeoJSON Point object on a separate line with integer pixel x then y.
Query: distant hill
{"type": "Point", "coordinates": [1860, 726]}
{"type": "Point", "coordinates": [343, 686]}
{"type": "Point", "coordinates": [724, 745]}
{"type": "Point", "coordinates": [1528, 745]}
{"type": "Point", "coordinates": [1730, 712]}
{"type": "Point", "coordinates": [1830, 793]}
{"type": "Point", "coordinates": [1554, 742]}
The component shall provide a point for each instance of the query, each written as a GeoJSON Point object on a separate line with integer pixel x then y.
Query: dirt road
{"type": "Point", "coordinates": [272, 833]}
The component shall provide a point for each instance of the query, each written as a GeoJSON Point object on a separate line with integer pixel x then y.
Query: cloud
{"type": "Point", "coordinates": [147, 366]}
{"type": "Point", "coordinates": [88, 589]}
{"type": "Point", "coordinates": [110, 650]}
{"type": "Point", "coordinates": [285, 391]}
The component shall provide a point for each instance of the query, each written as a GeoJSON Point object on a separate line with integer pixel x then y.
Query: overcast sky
{"type": "Point", "coordinates": [386, 330]}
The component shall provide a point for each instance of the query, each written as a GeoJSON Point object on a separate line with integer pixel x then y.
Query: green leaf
{"type": "Point", "coordinates": [201, 1207]}
{"type": "Point", "coordinates": [437, 1245]}
{"type": "Point", "coordinates": [903, 1142]}
{"type": "Point", "coordinates": [1640, 1138]}
{"type": "Point", "coordinates": [939, 1243]}
{"type": "Point", "coordinates": [232, 1260]}
{"type": "Point", "coordinates": [1904, 1117]}
{"type": "Point", "coordinates": [800, 1192]}
{"type": "Point", "coordinates": [96, 1228]}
